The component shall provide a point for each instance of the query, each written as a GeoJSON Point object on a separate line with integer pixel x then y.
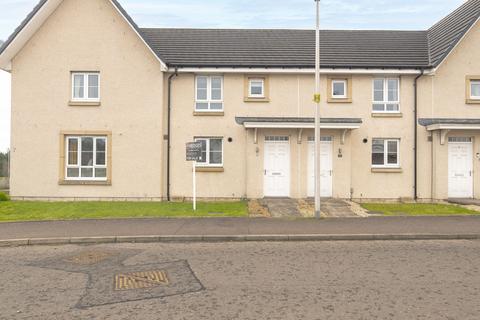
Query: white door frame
{"type": "Point", "coordinates": [467, 189]}
{"type": "Point", "coordinates": [275, 176]}
{"type": "Point", "coordinates": [329, 193]}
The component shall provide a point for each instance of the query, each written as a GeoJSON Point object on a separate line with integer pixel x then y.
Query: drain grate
{"type": "Point", "coordinates": [140, 280]}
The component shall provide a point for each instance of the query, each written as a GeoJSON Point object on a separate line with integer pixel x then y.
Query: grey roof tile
{"type": "Point", "coordinates": [445, 34]}
{"type": "Point", "coordinates": [288, 48]}
{"type": "Point", "coordinates": [296, 48]}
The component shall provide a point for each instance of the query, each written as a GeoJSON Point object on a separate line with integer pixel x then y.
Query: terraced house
{"type": "Point", "coordinates": [103, 108]}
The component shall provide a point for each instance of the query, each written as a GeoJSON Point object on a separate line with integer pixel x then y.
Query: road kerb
{"type": "Point", "coordinates": [135, 239]}
{"type": "Point", "coordinates": [13, 243]}
{"type": "Point", "coordinates": [48, 241]}
{"type": "Point", "coordinates": [183, 238]}
{"type": "Point", "coordinates": [81, 240]}
{"type": "Point", "coordinates": [234, 238]}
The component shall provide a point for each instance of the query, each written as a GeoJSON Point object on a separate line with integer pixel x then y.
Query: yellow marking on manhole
{"type": "Point", "coordinates": [89, 257]}
{"type": "Point", "coordinates": [140, 280]}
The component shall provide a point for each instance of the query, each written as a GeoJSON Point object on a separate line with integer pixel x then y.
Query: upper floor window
{"type": "Point", "coordinates": [212, 152]}
{"type": "Point", "coordinates": [475, 89]}
{"type": "Point", "coordinates": [209, 93]}
{"type": "Point", "coordinates": [339, 89]}
{"type": "Point", "coordinates": [256, 88]}
{"type": "Point", "coordinates": [385, 152]}
{"type": "Point", "coordinates": [85, 86]}
{"type": "Point", "coordinates": [386, 95]}
{"type": "Point", "coordinates": [86, 158]}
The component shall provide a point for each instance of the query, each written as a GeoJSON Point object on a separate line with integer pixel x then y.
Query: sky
{"type": "Point", "coordinates": [298, 14]}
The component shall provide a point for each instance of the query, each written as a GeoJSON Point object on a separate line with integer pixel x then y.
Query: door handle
{"type": "Point", "coordinates": [264, 172]}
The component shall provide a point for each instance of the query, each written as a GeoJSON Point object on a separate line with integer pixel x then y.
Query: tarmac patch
{"type": "Point", "coordinates": [110, 281]}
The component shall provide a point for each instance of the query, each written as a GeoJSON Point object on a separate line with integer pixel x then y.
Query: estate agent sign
{"type": "Point", "coordinates": [194, 153]}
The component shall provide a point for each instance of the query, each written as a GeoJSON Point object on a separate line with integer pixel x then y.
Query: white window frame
{"type": "Point", "coordinates": [474, 82]}
{"type": "Point", "coordinates": [250, 82]}
{"type": "Point", "coordinates": [207, 156]}
{"type": "Point", "coordinates": [385, 154]}
{"type": "Point", "coordinates": [209, 99]}
{"type": "Point", "coordinates": [345, 84]}
{"type": "Point", "coordinates": [85, 86]}
{"type": "Point", "coordinates": [385, 95]}
{"type": "Point", "coordinates": [79, 159]}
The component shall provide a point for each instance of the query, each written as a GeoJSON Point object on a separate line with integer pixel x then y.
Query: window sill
{"type": "Point", "coordinates": [387, 115]}
{"type": "Point", "coordinates": [209, 113]}
{"type": "Point", "coordinates": [339, 100]}
{"type": "Point", "coordinates": [387, 170]}
{"type": "Point", "coordinates": [84, 183]}
{"type": "Point", "coordinates": [256, 99]}
{"type": "Point", "coordinates": [209, 169]}
{"type": "Point", "coordinates": [84, 103]}
{"type": "Point", "coordinates": [472, 101]}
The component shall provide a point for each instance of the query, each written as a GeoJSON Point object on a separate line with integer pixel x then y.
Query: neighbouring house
{"type": "Point", "coordinates": [102, 109]}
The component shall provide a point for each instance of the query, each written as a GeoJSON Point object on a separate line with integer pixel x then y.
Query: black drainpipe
{"type": "Point", "coordinates": [415, 143]}
{"type": "Point", "coordinates": [169, 106]}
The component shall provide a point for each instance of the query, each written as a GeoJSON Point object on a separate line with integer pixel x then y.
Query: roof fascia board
{"type": "Point", "coordinates": [439, 126]}
{"type": "Point", "coordinates": [456, 45]}
{"type": "Point", "coordinates": [298, 125]}
{"type": "Point", "coordinates": [115, 4]}
{"type": "Point", "coordinates": [297, 70]}
{"type": "Point", "coordinates": [27, 31]}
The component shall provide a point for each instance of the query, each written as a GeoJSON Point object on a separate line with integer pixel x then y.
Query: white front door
{"type": "Point", "coordinates": [460, 167]}
{"type": "Point", "coordinates": [326, 169]}
{"type": "Point", "coordinates": [277, 167]}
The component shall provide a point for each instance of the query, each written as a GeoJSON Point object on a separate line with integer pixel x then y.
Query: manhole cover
{"type": "Point", "coordinates": [89, 257]}
{"type": "Point", "coordinates": [140, 280]}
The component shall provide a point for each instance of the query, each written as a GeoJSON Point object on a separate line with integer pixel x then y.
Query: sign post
{"type": "Point", "coordinates": [194, 154]}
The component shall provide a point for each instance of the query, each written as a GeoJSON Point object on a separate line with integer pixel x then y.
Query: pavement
{"type": "Point", "coordinates": [238, 229]}
{"type": "Point", "coordinates": [430, 280]}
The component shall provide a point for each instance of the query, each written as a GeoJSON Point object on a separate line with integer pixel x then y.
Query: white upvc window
{"type": "Point", "coordinates": [209, 93]}
{"type": "Point", "coordinates": [212, 152]}
{"type": "Point", "coordinates": [339, 89]}
{"type": "Point", "coordinates": [386, 95]}
{"type": "Point", "coordinates": [86, 158]}
{"type": "Point", "coordinates": [85, 86]}
{"type": "Point", "coordinates": [256, 88]}
{"type": "Point", "coordinates": [475, 89]}
{"type": "Point", "coordinates": [386, 153]}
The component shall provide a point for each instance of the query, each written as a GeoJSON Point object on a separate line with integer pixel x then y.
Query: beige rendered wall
{"type": "Point", "coordinates": [291, 96]}
{"type": "Point", "coordinates": [87, 35]}
{"type": "Point", "coordinates": [442, 95]}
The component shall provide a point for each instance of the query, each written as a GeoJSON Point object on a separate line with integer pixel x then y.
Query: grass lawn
{"type": "Point", "coordinates": [25, 210]}
{"type": "Point", "coordinates": [417, 209]}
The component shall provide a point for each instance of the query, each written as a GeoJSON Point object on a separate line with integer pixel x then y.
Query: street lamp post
{"type": "Point", "coordinates": [317, 99]}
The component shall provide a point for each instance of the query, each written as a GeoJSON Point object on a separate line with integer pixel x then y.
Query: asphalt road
{"type": "Point", "coordinates": [253, 280]}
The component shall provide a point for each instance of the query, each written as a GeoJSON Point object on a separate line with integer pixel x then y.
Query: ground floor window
{"type": "Point", "coordinates": [212, 152]}
{"type": "Point", "coordinates": [86, 158]}
{"type": "Point", "coordinates": [386, 153]}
